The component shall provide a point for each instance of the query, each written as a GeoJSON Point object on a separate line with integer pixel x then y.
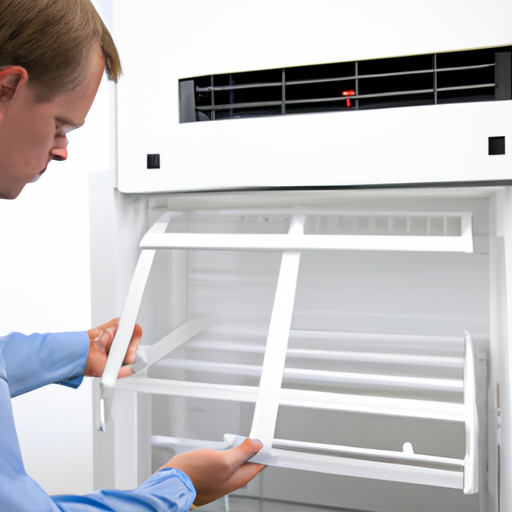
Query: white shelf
{"type": "Point", "coordinates": [458, 405]}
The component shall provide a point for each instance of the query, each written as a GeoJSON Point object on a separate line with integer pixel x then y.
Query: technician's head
{"type": "Point", "coordinates": [52, 56]}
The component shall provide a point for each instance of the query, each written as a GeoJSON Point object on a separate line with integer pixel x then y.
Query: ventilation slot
{"type": "Point", "coordinates": [464, 76]}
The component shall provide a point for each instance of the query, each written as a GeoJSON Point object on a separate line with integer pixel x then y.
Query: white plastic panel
{"type": "Point", "coordinates": [227, 36]}
{"type": "Point", "coordinates": [404, 231]}
{"type": "Point", "coordinates": [177, 40]}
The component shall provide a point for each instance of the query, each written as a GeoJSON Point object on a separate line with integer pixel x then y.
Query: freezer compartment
{"type": "Point", "coordinates": [374, 358]}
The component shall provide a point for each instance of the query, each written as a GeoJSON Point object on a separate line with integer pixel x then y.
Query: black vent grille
{"type": "Point", "coordinates": [464, 76]}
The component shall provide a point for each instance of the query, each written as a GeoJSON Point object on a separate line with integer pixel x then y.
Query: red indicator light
{"type": "Point", "coordinates": [350, 92]}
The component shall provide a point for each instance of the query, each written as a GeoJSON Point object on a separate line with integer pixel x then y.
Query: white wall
{"type": "Point", "coordinates": [45, 286]}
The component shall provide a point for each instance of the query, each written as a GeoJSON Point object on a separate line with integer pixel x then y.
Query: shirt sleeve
{"type": "Point", "coordinates": [168, 490]}
{"type": "Point", "coordinates": [36, 360]}
{"type": "Point", "coordinates": [18, 492]}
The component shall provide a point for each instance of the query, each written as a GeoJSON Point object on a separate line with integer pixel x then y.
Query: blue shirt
{"type": "Point", "coordinates": [29, 362]}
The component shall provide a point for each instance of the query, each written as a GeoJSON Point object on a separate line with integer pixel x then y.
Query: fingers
{"type": "Point", "coordinates": [95, 332]}
{"type": "Point", "coordinates": [242, 476]}
{"type": "Point", "coordinates": [101, 339]}
{"type": "Point", "coordinates": [245, 474]}
{"type": "Point", "coordinates": [112, 323]}
{"type": "Point", "coordinates": [125, 371]}
{"type": "Point", "coordinates": [105, 337]}
{"type": "Point", "coordinates": [242, 472]}
{"type": "Point", "coordinates": [131, 353]}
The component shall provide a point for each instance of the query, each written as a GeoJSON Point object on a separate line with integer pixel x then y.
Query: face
{"type": "Point", "coordinates": [31, 133]}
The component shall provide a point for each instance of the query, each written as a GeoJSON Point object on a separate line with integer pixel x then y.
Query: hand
{"type": "Point", "coordinates": [100, 340]}
{"type": "Point", "coordinates": [215, 473]}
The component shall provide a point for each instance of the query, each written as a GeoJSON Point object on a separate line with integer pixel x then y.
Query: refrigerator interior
{"type": "Point", "coordinates": [373, 324]}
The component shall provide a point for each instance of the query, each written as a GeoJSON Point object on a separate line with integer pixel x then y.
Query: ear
{"type": "Point", "coordinates": [12, 79]}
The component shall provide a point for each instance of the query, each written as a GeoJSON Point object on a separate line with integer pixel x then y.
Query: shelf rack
{"type": "Point", "coordinates": [405, 466]}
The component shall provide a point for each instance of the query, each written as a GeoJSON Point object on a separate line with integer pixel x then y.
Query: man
{"type": "Point", "coordinates": [52, 56]}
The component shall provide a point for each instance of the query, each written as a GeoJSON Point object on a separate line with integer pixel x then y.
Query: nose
{"type": "Point", "coordinates": [60, 151]}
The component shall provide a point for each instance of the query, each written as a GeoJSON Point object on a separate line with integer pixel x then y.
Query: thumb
{"type": "Point", "coordinates": [243, 452]}
{"type": "Point", "coordinates": [105, 338]}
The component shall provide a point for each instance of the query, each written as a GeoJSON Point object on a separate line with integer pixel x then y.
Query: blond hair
{"type": "Point", "coordinates": [52, 40]}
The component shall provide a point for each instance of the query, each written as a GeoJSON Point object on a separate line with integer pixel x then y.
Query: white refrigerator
{"type": "Point", "coordinates": [312, 220]}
